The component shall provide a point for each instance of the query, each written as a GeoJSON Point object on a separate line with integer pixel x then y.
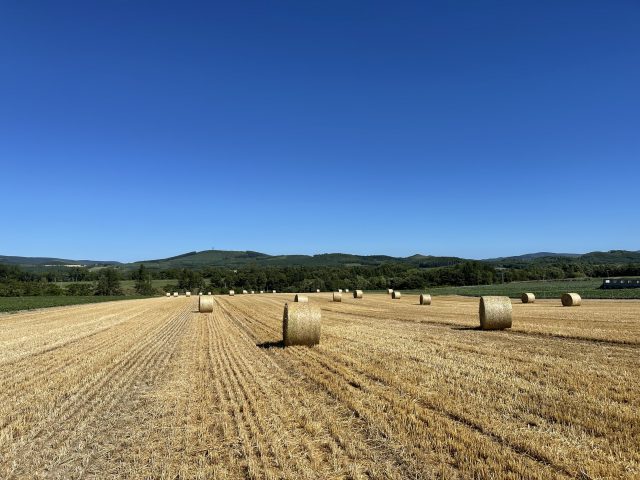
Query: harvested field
{"type": "Point", "coordinates": [153, 389]}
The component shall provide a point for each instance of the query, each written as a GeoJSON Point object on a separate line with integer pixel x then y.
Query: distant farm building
{"type": "Point", "coordinates": [621, 283]}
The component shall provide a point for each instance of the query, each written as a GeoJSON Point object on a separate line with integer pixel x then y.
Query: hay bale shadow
{"type": "Point", "coordinates": [467, 328]}
{"type": "Point", "coordinates": [269, 345]}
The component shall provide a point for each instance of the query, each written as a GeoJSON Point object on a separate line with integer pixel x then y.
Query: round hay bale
{"type": "Point", "coordinates": [301, 324]}
{"type": "Point", "coordinates": [396, 295]}
{"type": "Point", "coordinates": [389, 291]}
{"type": "Point", "coordinates": [301, 298]}
{"type": "Point", "coordinates": [261, 291]}
{"type": "Point", "coordinates": [244, 292]}
{"type": "Point", "coordinates": [425, 299]}
{"type": "Point", "coordinates": [231, 293]}
{"type": "Point", "coordinates": [208, 293]}
{"type": "Point", "coordinates": [495, 313]}
{"type": "Point", "coordinates": [337, 297]}
{"type": "Point", "coordinates": [206, 304]}
{"type": "Point", "coordinates": [317, 290]}
{"type": "Point", "coordinates": [346, 290]}
{"type": "Point", "coordinates": [357, 294]}
{"type": "Point", "coordinates": [273, 291]}
{"type": "Point", "coordinates": [252, 292]}
{"type": "Point", "coordinates": [175, 294]}
{"type": "Point", "coordinates": [339, 290]}
{"type": "Point", "coordinates": [528, 298]}
{"type": "Point", "coordinates": [571, 300]}
{"type": "Point", "coordinates": [187, 294]}
{"type": "Point", "coordinates": [168, 294]}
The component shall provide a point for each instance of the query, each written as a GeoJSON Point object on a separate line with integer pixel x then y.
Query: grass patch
{"type": "Point", "coordinates": [14, 304]}
{"type": "Point", "coordinates": [542, 289]}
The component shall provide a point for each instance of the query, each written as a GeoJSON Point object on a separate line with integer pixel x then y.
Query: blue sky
{"type": "Point", "coordinates": [132, 130]}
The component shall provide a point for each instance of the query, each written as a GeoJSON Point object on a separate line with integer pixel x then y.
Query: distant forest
{"type": "Point", "coordinates": [17, 281]}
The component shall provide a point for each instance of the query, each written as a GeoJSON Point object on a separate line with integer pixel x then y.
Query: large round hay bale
{"type": "Point", "coordinates": [528, 298]}
{"type": "Point", "coordinates": [187, 294]}
{"type": "Point", "coordinates": [273, 291]}
{"type": "Point", "coordinates": [208, 293]}
{"type": "Point", "coordinates": [339, 290]}
{"type": "Point", "coordinates": [389, 291]}
{"type": "Point", "coordinates": [337, 297]}
{"type": "Point", "coordinates": [357, 294]}
{"type": "Point", "coordinates": [571, 300]}
{"type": "Point", "coordinates": [252, 292]}
{"type": "Point", "coordinates": [231, 293]}
{"type": "Point", "coordinates": [425, 299]}
{"type": "Point", "coordinates": [301, 324]}
{"type": "Point", "coordinates": [396, 295]}
{"type": "Point", "coordinates": [205, 304]}
{"type": "Point", "coordinates": [175, 294]}
{"type": "Point", "coordinates": [495, 313]}
{"type": "Point", "coordinates": [168, 294]}
{"type": "Point", "coordinates": [244, 292]}
{"type": "Point", "coordinates": [301, 298]}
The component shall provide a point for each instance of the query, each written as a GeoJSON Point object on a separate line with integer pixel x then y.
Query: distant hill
{"type": "Point", "coordinates": [42, 261]}
{"type": "Point", "coordinates": [612, 256]}
{"type": "Point", "coordinates": [231, 258]}
{"type": "Point", "coordinates": [533, 256]}
{"type": "Point", "coordinates": [235, 259]}
{"type": "Point", "coordinates": [596, 258]}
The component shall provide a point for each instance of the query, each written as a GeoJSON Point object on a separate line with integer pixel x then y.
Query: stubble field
{"type": "Point", "coordinates": [152, 389]}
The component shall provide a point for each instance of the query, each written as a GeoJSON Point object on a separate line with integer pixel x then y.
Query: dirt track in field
{"type": "Point", "coordinates": [153, 389]}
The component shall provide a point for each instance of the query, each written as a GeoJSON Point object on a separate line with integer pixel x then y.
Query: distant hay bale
{"type": "Point", "coordinates": [301, 298]}
{"type": "Point", "coordinates": [357, 294]}
{"type": "Point", "coordinates": [206, 304]}
{"type": "Point", "coordinates": [200, 293]}
{"type": "Point", "coordinates": [339, 290]}
{"type": "Point", "coordinates": [175, 294]}
{"type": "Point", "coordinates": [244, 292]}
{"type": "Point", "coordinates": [208, 293]}
{"type": "Point", "coordinates": [273, 291]}
{"type": "Point", "coordinates": [528, 298]}
{"type": "Point", "coordinates": [389, 291]}
{"type": "Point", "coordinates": [231, 293]}
{"type": "Point", "coordinates": [346, 290]}
{"type": "Point", "coordinates": [495, 313]}
{"type": "Point", "coordinates": [168, 294]}
{"type": "Point", "coordinates": [396, 295]}
{"type": "Point", "coordinates": [252, 292]}
{"type": "Point", "coordinates": [261, 291]}
{"type": "Point", "coordinates": [301, 323]}
{"type": "Point", "coordinates": [337, 297]}
{"type": "Point", "coordinates": [317, 290]}
{"type": "Point", "coordinates": [571, 300]}
{"type": "Point", "coordinates": [187, 294]}
{"type": "Point", "coordinates": [425, 299]}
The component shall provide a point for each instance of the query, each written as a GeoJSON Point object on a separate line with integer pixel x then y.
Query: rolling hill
{"type": "Point", "coordinates": [42, 261]}
{"type": "Point", "coordinates": [231, 258]}
{"type": "Point", "coordinates": [236, 259]}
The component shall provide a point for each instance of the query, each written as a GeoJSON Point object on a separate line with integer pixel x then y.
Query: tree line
{"type": "Point", "coordinates": [15, 281]}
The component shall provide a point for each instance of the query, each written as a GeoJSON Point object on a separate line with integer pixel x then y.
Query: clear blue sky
{"type": "Point", "coordinates": [132, 130]}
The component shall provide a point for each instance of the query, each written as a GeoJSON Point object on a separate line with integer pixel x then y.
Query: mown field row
{"type": "Point", "coordinates": [153, 389]}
